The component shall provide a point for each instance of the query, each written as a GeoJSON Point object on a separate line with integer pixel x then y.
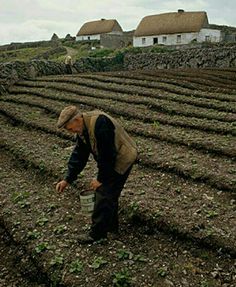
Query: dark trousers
{"type": "Point", "coordinates": [105, 214]}
{"type": "Point", "coordinates": [68, 69]}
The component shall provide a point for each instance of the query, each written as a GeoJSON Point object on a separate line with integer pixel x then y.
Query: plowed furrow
{"type": "Point", "coordinates": [217, 172]}
{"type": "Point", "coordinates": [130, 80]}
{"type": "Point", "coordinates": [219, 145]}
{"type": "Point", "coordinates": [203, 74]}
{"type": "Point", "coordinates": [133, 111]}
{"type": "Point", "coordinates": [152, 93]}
{"type": "Point", "coordinates": [164, 106]}
{"type": "Point", "coordinates": [49, 155]}
{"type": "Point", "coordinates": [191, 82]}
{"type": "Point", "coordinates": [165, 249]}
{"type": "Point", "coordinates": [213, 88]}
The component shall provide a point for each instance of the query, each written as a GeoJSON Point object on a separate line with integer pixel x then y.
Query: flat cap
{"type": "Point", "coordinates": [66, 115]}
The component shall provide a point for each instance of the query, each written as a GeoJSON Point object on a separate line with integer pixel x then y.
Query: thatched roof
{"type": "Point", "coordinates": [99, 27]}
{"type": "Point", "coordinates": [172, 23]}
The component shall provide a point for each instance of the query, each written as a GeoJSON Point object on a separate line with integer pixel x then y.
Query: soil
{"type": "Point", "coordinates": [177, 211]}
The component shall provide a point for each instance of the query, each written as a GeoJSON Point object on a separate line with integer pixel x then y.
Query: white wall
{"type": "Point", "coordinates": [88, 37]}
{"type": "Point", "coordinates": [210, 35]}
{"type": "Point", "coordinates": [171, 39]}
{"type": "Point", "coordinates": [96, 37]}
{"type": "Point", "coordinates": [185, 38]}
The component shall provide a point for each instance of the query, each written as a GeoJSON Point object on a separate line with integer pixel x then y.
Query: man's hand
{"type": "Point", "coordinates": [95, 184]}
{"type": "Point", "coordinates": [61, 185]}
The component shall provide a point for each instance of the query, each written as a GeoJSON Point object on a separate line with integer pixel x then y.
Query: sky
{"type": "Point", "coordinates": [34, 20]}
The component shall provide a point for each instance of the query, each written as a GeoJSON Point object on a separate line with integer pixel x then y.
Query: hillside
{"type": "Point", "coordinates": [178, 207]}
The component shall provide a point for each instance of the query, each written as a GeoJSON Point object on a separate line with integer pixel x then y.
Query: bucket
{"type": "Point", "coordinates": [87, 198]}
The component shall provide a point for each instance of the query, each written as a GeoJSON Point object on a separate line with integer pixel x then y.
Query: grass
{"type": "Point", "coordinates": [83, 50]}
{"type": "Point", "coordinates": [22, 54]}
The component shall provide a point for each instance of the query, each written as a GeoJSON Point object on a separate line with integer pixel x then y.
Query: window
{"type": "Point", "coordinates": [155, 40]}
{"type": "Point", "coordinates": [143, 41]}
{"type": "Point", "coordinates": [164, 39]}
{"type": "Point", "coordinates": [178, 38]}
{"type": "Point", "coordinates": [207, 38]}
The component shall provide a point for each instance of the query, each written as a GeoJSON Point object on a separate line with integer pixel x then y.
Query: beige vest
{"type": "Point", "coordinates": [125, 146]}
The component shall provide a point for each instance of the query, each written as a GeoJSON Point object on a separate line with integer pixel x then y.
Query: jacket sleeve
{"type": "Point", "coordinates": [105, 138]}
{"type": "Point", "coordinates": [78, 159]}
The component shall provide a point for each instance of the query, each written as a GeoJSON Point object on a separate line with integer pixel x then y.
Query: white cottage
{"type": "Point", "coordinates": [176, 28]}
{"type": "Point", "coordinates": [94, 29]}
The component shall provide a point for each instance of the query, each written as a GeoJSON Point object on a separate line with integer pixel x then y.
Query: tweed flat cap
{"type": "Point", "coordinates": [66, 115]}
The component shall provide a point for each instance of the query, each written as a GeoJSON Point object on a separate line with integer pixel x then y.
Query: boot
{"type": "Point", "coordinates": [86, 238]}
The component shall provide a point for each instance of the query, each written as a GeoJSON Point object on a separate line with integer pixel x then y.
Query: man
{"type": "Point", "coordinates": [68, 63]}
{"type": "Point", "coordinates": [114, 151]}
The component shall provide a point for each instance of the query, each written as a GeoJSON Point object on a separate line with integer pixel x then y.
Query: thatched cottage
{"type": "Point", "coordinates": [94, 29]}
{"type": "Point", "coordinates": [175, 28]}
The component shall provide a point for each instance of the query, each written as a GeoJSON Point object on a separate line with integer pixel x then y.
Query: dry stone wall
{"type": "Point", "coordinates": [11, 72]}
{"type": "Point", "coordinates": [98, 64]}
{"type": "Point", "coordinates": [192, 58]}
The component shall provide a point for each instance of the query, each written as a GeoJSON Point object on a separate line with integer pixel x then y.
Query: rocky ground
{"type": "Point", "coordinates": [177, 209]}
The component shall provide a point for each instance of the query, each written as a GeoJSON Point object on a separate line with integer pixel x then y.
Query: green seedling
{"type": "Point", "coordinates": [209, 231]}
{"type": "Point", "coordinates": [124, 254]}
{"type": "Point", "coordinates": [16, 223]}
{"type": "Point", "coordinates": [133, 209]}
{"type": "Point", "coordinates": [23, 204]}
{"type": "Point", "coordinates": [57, 260]}
{"type": "Point", "coordinates": [86, 227]}
{"type": "Point", "coordinates": [98, 262]}
{"type": "Point", "coordinates": [19, 196]}
{"type": "Point", "coordinates": [42, 166]}
{"type": "Point", "coordinates": [41, 221]}
{"type": "Point", "coordinates": [211, 213]}
{"type": "Point", "coordinates": [7, 211]}
{"type": "Point", "coordinates": [60, 229]}
{"type": "Point", "coordinates": [156, 124]}
{"type": "Point", "coordinates": [140, 258]}
{"type": "Point", "coordinates": [204, 283]}
{"type": "Point", "coordinates": [76, 266]}
{"type": "Point", "coordinates": [52, 207]}
{"type": "Point", "coordinates": [122, 278]}
{"type": "Point", "coordinates": [43, 246]}
{"type": "Point", "coordinates": [178, 190]}
{"type": "Point", "coordinates": [141, 192]}
{"type": "Point", "coordinates": [55, 147]}
{"type": "Point", "coordinates": [33, 234]}
{"type": "Point", "coordinates": [162, 272]}
{"type": "Point", "coordinates": [81, 175]}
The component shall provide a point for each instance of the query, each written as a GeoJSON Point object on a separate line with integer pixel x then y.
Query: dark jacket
{"type": "Point", "coordinates": [110, 145]}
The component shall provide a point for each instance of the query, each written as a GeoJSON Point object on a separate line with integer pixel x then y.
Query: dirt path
{"type": "Point", "coordinates": [71, 52]}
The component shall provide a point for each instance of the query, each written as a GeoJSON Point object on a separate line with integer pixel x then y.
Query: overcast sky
{"type": "Point", "coordinates": [32, 20]}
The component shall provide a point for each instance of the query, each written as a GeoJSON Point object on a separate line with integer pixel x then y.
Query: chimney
{"type": "Point", "coordinates": [180, 10]}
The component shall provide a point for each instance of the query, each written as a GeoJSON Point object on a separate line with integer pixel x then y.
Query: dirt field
{"type": "Point", "coordinates": [178, 209]}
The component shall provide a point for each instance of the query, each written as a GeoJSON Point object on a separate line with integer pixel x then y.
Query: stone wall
{"type": "Point", "coordinates": [115, 41]}
{"type": "Point", "coordinates": [191, 58]}
{"type": "Point", "coordinates": [194, 58]}
{"type": "Point", "coordinates": [12, 72]}
{"type": "Point", "coordinates": [16, 46]}
{"type": "Point", "coordinates": [91, 64]}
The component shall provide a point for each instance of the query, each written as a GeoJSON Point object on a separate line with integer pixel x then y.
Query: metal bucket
{"type": "Point", "coordinates": [87, 199]}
